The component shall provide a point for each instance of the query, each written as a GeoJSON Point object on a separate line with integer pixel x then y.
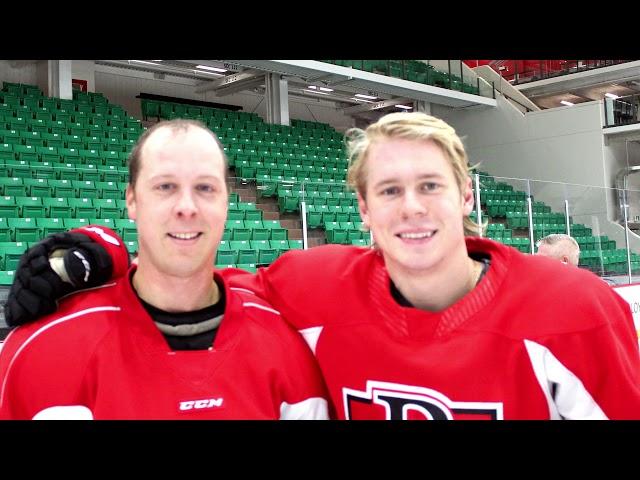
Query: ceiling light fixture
{"type": "Point", "coordinates": [568, 104]}
{"type": "Point", "coordinates": [611, 95]}
{"type": "Point", "coordinates": [213, 69]}
{"type": "Point", "coordinates": [404, 107]}
{"type": "Point", "coordinates": [361, 95]}
{"type": "Point", "coordinates": [143, 61]}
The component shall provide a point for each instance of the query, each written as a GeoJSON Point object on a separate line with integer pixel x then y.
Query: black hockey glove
{"type": "Point", "coordinates": [37, 287]}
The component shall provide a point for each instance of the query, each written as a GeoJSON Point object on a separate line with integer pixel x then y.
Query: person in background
{"type": "Point", "coordinates": [560, 246]}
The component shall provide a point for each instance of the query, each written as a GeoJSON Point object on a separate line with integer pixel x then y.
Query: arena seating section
{"type": "Point", "coordinates": [64, 164]}
{"type": "Point", "coordinates": [414, 71]}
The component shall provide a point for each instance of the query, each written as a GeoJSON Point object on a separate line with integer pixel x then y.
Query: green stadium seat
{"type": "Point", "coordinates": [110, 190]}
{"type": "Point", "coordinates": [6, 278]}
{"type": "Point", "coordinates": [24, 229]}
{"type": "Point", "coordinates": [8, 207]}
{"type": "Point", "coordinates": [249, 267]}
{"type": "Point", "coordinates": [50, 225]}
{"type": "Point", "coordinates": [132, 247]}
{"type": "Point", "coordinates": [226, 257]}
{"type": "Point", "coordinates": [83, 208]}
{"type": "Point", "coordinates": [108, 208]}
{"type": "Point", "coordinates": [10, 253]}
{"type": "Point", "coordinates": [38, 187]}
{"type": "Point", "coordinates": [31, 207]}
{"type": "Point", "coordinates": [19, 168]}
{"type": "Point", "coordinates": [127, 229]}
{"type": "Point", "coordinates": [85, 188]}
{"type": "Point", "coordinates": [247, 256]}
{"type": "Point", "coordinates": [295, 245]}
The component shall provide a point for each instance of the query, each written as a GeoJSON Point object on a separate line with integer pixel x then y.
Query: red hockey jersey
{"type": "Point", "coordinates": [533, 340]}
{"type": "Point", "coordinates": [101, 356]}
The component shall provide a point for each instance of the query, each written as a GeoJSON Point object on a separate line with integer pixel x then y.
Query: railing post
{"type": "Point", "coordinates": [478, 209]}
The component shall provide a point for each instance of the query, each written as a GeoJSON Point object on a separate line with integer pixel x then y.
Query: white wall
{"type": "Point", "coordinates": [562, 150]}
{"type": "Point", "coordinates": [18, 71]}
{"type": "Point", "coordinates": [84, 70]}
{"type": "Point", "coordinates": [619, 155]}
{"type": "Point", "coordinates": [561, 144]}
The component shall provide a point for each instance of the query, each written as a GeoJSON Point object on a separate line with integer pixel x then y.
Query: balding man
{"type": "Point", "coordinates": [170, 339]}
{"type": "Point", "coordinates": [560, 246]}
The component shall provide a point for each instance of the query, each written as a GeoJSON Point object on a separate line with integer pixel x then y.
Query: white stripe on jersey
{"type": "Point", "coordinates": [570, 400]}
{"type": "Point", "coordinates": [311, 336]}
{"type": "Point", "coordinates": [261, 307]}
{"type": "Point", "coordinates": [47, 327]}
{"type": "Point", "coordinates": [67, 412]}
{"type": "Point", "coordinates": [314, 408]}
{"type": "Point", "coordinates": [238, 289]}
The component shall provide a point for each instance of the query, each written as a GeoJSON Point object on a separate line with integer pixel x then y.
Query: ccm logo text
{"type": "Point", "coordinates": [200, 404]}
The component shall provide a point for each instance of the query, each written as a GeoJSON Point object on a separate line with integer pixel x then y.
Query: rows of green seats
{"type": "Point", "coordinates": [344, 232]}
{"type": "Point", "coordinates": [295, 154]}
{"type": "Point", "coordinates": [319, 215]}
{"type": "Point", "coordinates": [308, 124]}
{"type": "Point", "coordinates": [249, 255]}
{"type": "Point", "coordinates": [21, 89]}
{"type": "Point", "coordinates": [491, 197]}
{"type": "Point", "coordinates": [412, 70]}
{"type": "Point", "coordinates": [612, 261]}
{"type": "Point", "coordinates": [37, 155]}
{"type": "Point", "coordinates": [168, 110]}
{"type": "Point", "coordinates": [289, 200]}
{"type": "Point", "coordinates": [497, 231]}
{"type": "Point", "coordinates": [34, 229]}
{"type": "Point", "coordinates": [260, 252]}
{"type": "Point", "coordinates": [362, 242]}
{"type": "Point", "coordinates": [254, 230]}
{"type": "Point", "coordinates": [597, 253]}
{"type": "Point", "coordinates": [48, 187]}
{"type": "Point", "coordinates": [521, 243]}
{"type": "Point", "coordinates": [85, 130]}
{"type": "Point", "coordinates": [520, 219]}
{"type": "Point", "coordinates": [590, 242]}
{"type": "Point", "coordinates": [295, 175]}
{"type": "Point", "coordinates": [62, 207]}
{"type": "Point", "coordinates": [269, 186]}
{"type": "Point", "coordinates": [62, 171]}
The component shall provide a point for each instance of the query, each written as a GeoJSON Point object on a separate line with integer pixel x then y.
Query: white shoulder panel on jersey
{"type": "Point", "coordinates": [67, 412]}
{"type": "Point", "coordinates": [314, 408]}
{"type": "Point", "coordinates": [570, 401]}
{"type": "Point", "coordinates": [311, 336]}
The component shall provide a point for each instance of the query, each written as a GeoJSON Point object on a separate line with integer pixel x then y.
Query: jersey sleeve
{"type": "Point", "coordinates": [112, 243]}
{"type": "Point", "coordinates": [44, 368]}
{"type": "Point", "coordinates": [34, 379]}
{"type": "Point", "coordinates": [284, 285]}
{"type": "Point", "coordinates": [594, 373]}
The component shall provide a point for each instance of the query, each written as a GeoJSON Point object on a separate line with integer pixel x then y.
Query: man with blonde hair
{"type": "Point", "coordinates": [433, 324]}
{"type": "Point", "coordinates": [560, 246]}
